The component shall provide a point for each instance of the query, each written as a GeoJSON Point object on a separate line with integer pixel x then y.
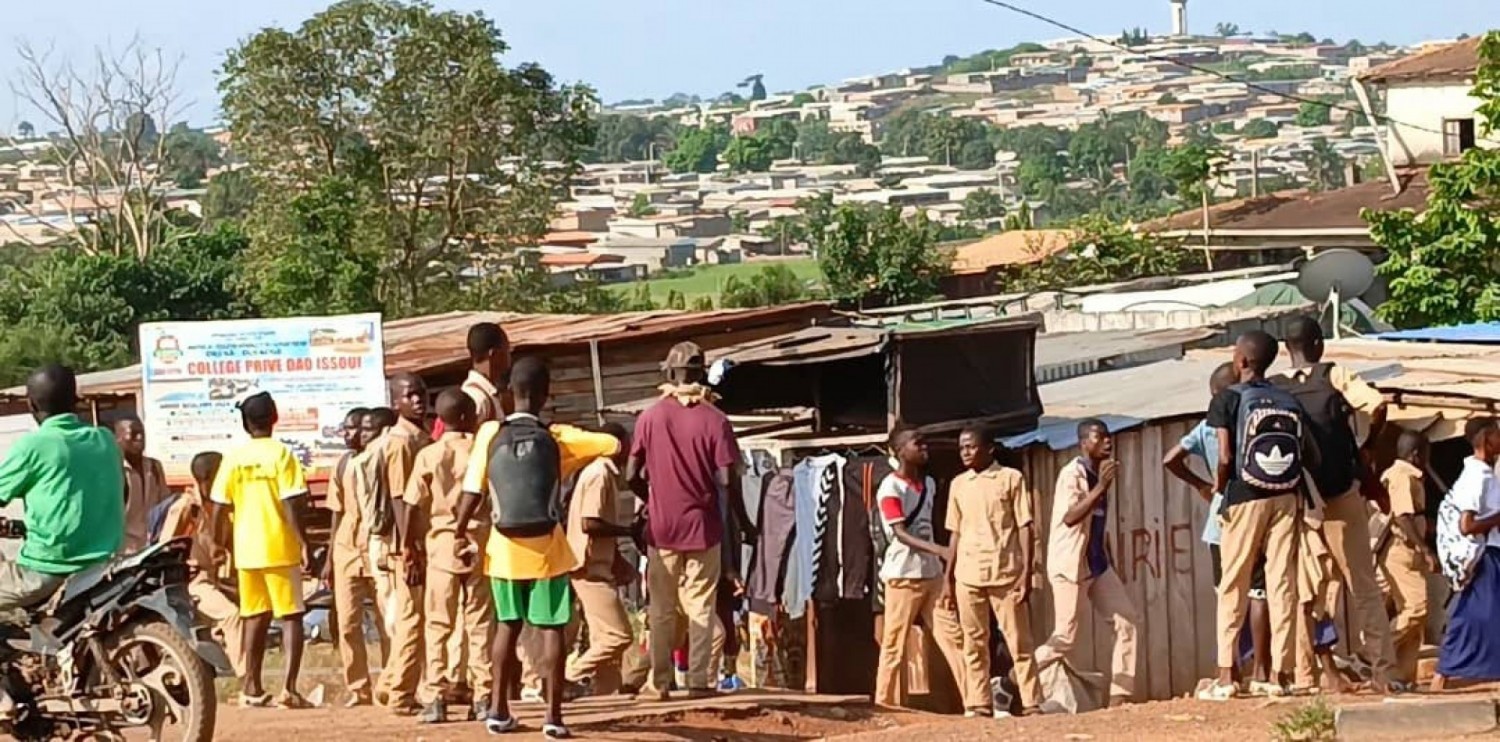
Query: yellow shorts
{"type": "Point", "coordinates": [276, 590]}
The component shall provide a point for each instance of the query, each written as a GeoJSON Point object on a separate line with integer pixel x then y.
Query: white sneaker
{"type": "Point", "coordinates": [1217, 692]}
{"type": "Point", "coordinates": [1268, 690]}
{"type": "Point", "coordinates": [496, 725]}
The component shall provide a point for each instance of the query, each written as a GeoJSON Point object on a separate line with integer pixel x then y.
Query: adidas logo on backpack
{"type": "Point", "coordinates": [1270, 438]}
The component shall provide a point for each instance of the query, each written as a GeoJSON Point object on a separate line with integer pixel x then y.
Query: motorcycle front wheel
{"type": "Point", "coordinates": [168, 688]}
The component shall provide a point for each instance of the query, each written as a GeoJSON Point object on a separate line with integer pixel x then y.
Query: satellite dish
{"type": "Point", "coordinates": [1336, 273]}
{"type": "Point", "coordinates": [1335, 276]}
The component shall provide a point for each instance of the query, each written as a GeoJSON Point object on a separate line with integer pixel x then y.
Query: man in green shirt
{"type": "Point", "coordinates": [69, 476]}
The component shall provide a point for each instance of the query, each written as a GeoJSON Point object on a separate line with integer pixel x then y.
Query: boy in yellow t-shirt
{"type": "Point", "coordinates": [528, 558]}
{"type": "Point", "coordinates": [262, 485]}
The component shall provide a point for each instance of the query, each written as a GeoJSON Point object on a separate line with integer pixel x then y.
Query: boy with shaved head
{"type": "Point", "coordinates": [1078, 565]}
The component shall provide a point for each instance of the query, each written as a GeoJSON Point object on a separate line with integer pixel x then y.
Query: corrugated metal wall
{"type": "Point", "coordinates": [1154, 536]}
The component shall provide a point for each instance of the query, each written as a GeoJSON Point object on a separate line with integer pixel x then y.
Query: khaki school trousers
{"type": "Point", "coordinates": [1406, 573]}
{"type": "Point", "coordinates": [225, 615]}
{"type": "Point", "coordinates": [350, 591]}
{"type": "Point", "coordinates": [1108, 597]}
{"type": "Point", "coordinates": [906, 603]}
{"type": "Point", "coordinates": [401, 606]}
{"type": "Point", "coordinates": [975, 604]}
{"type": "Point", "coordinates": [609, 635]}
{"type": "Point", "coordinates": [1346, 527]}
{"type": "Point", "coordinates": [684, 581]}
{"type": "Point", "coordinates": [1266, 527]}
{"type": "Point", "coordinates": [457, 605]}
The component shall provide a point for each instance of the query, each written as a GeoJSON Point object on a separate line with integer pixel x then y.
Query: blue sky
{"type": "Point", "coordinates": [653, 48]}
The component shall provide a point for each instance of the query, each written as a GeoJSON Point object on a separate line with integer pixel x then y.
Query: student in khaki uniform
{"type": "Point", "coordinates": [398, 576]}
{"type": "Point", "coordinates": [347, 569]}
{"type": "Point", "coordinates": [145, 483]}
{"type": "Point", "coordinates": [189, 516]}
{"type": "Point", "coordinates": [594, 526]}
{"type": "Point", "coordinates": [1078, 566]}
{"type": "Point", "coordinates": [457, 595]}
{"type": "Point", "coordinates": [1405, 559]}
{"type": "Point", "coordinates": [1346, 524]}
{"type": "Point", "coordinates": [912, 570]}
{"type": "Point", "coordinates": [1262, 517]}
{"type": "Point", "coordinates": [989, 517]}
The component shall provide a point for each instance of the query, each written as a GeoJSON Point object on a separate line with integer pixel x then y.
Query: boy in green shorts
{"type": "Point", "coordinates": [519, 466]}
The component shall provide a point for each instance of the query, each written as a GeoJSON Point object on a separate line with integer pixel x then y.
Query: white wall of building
{"type": "Point", "coordinates": [1416, 116]}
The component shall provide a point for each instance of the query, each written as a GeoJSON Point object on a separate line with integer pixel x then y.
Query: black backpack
{"type": "Point", "coordinates": [1269, 437]}
{"type": "Point", "coordinates": [525, 478]}
{"type": "Point", "coordinates": [1328, 416]}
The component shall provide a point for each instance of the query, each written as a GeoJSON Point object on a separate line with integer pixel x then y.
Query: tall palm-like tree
{"type": "Point", "coordinates": [1325, 166]}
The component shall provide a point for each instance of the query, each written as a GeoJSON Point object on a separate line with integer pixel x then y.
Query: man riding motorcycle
{"type": "Point", "coordinates": [69, 476]}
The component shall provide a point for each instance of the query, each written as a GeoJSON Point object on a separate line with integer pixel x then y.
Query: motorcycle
{"type": "Point", "coordinates": [114, 648]}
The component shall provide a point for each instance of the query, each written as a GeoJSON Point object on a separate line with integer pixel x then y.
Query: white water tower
{"type": "Point", "coordinates": [1179, 18]}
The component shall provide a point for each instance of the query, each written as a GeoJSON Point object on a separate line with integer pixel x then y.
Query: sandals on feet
{"type": "Point", "coordinates": [290, 700]}
{"type": "Point", "coordinates": [261, 701]}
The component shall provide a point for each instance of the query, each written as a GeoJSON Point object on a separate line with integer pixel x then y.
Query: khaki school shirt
{"type": "Point", "coordinates": [352, 540]}
{"type": "Point", "coordinates": [987, 510]}
{"type": "Point", "coordinates": [402, 443]}
{"type": "Point", "coordinates": [594, 496]}
{"type": "Point", "coordinates": [1067, 545]}
{"type": "Point", "coordinates": [145, 489]}
{"type": "Point", "coordinates": [486, 397]}
{"type": "Point", "coordinates": [1408, 497]}
{"type": "Point", "coordinates": [435, 490]}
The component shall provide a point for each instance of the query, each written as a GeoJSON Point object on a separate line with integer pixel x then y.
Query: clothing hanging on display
{"type": "Point", "coordinates": [812, 522]}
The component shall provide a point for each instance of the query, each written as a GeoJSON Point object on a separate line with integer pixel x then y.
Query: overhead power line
{"type": "Point", "coordinates": [1201, 69]}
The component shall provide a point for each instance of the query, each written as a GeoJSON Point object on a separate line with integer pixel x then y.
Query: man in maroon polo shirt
{"type": "Point", "coordinates": [683, 454]}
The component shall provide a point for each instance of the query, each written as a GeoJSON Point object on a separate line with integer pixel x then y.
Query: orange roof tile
{"type": "Point", "coordinates": [1016, 247]}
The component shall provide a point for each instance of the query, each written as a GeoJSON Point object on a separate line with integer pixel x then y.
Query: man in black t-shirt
{"type": "Point", "coordinates": [1260, 516]}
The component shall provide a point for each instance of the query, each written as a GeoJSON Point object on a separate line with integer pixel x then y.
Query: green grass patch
{"type": "Point", "coordinates": [1312, 722]}
{"type": "Point", "coordinates": [709, 279]}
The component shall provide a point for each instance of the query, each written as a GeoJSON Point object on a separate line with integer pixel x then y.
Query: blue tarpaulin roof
{"type": "Point", "coordinates": [1478, 332]}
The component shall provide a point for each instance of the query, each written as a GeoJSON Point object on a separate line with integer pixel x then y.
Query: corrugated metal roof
{"type": "Point", "coordinates": [1061, 351]}
{"type": "Point", "coordinates": [1158, 391]}
{"type": "Point", "coordinates": [1478, 332]}
{"type": "Point", "coordinates": [433, 342]}
{"type": "Point", "coordinates": [822, 344]}
{"type": "Point", "coordinates": [1456, 61]}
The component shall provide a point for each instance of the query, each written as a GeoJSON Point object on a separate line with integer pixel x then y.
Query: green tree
{"type": "Point", "coordinates": [189, 155]}
{"type": "Point", "coordinates": [773, 285]}
{"type": "Point", "coordinates": [748, 154]}
{"type": "Point", "coordinates": [697, 150]}
{"type": "Point", "coordinates": [871, 256]}
{"type": "Point", "coordinates": [317, 256]}
{"type": "Point", "coordinates": [1313, 114]}
{"type": "Point", "coordinates": [983, 204]}
{"type": "Point", "coordinates": [1325, 166]}
{"type": "Point", "coordinates": [26, 130]}
{"type": "Point", "coordinates": [1192, 167]}
{"type": "Point", "coordinates": [626, 138]}
{"type": "Point", "coordinates": [802, 99]}
{"type": "Point", "coordinates": [457, 160]}
{"type": "Point", "coordinates": [976, 154]}
{"type": "Point", "coordinates": [640, 207]}
{"type": "Point", "coordinates": [640, 298]}
{"type": "Point", "coordinates": [1227, 30]}
{"type": "Point", "coordinates": [1104, 251]}
{"type": "Point", "coordinates": [814, 140]}
{"type": "Point", "coordinates": [851, 149]}
{"type": "Point", "coordinates": [1260, 129]}
{"type": "Point", "coordinates": [1443, 263]}
{"type": "Point", "coordinates": [231, 195]}
{"type": "Point", "coordinates": [786, 231]}
{"type": "Point", "coordinates": [84, 309]}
